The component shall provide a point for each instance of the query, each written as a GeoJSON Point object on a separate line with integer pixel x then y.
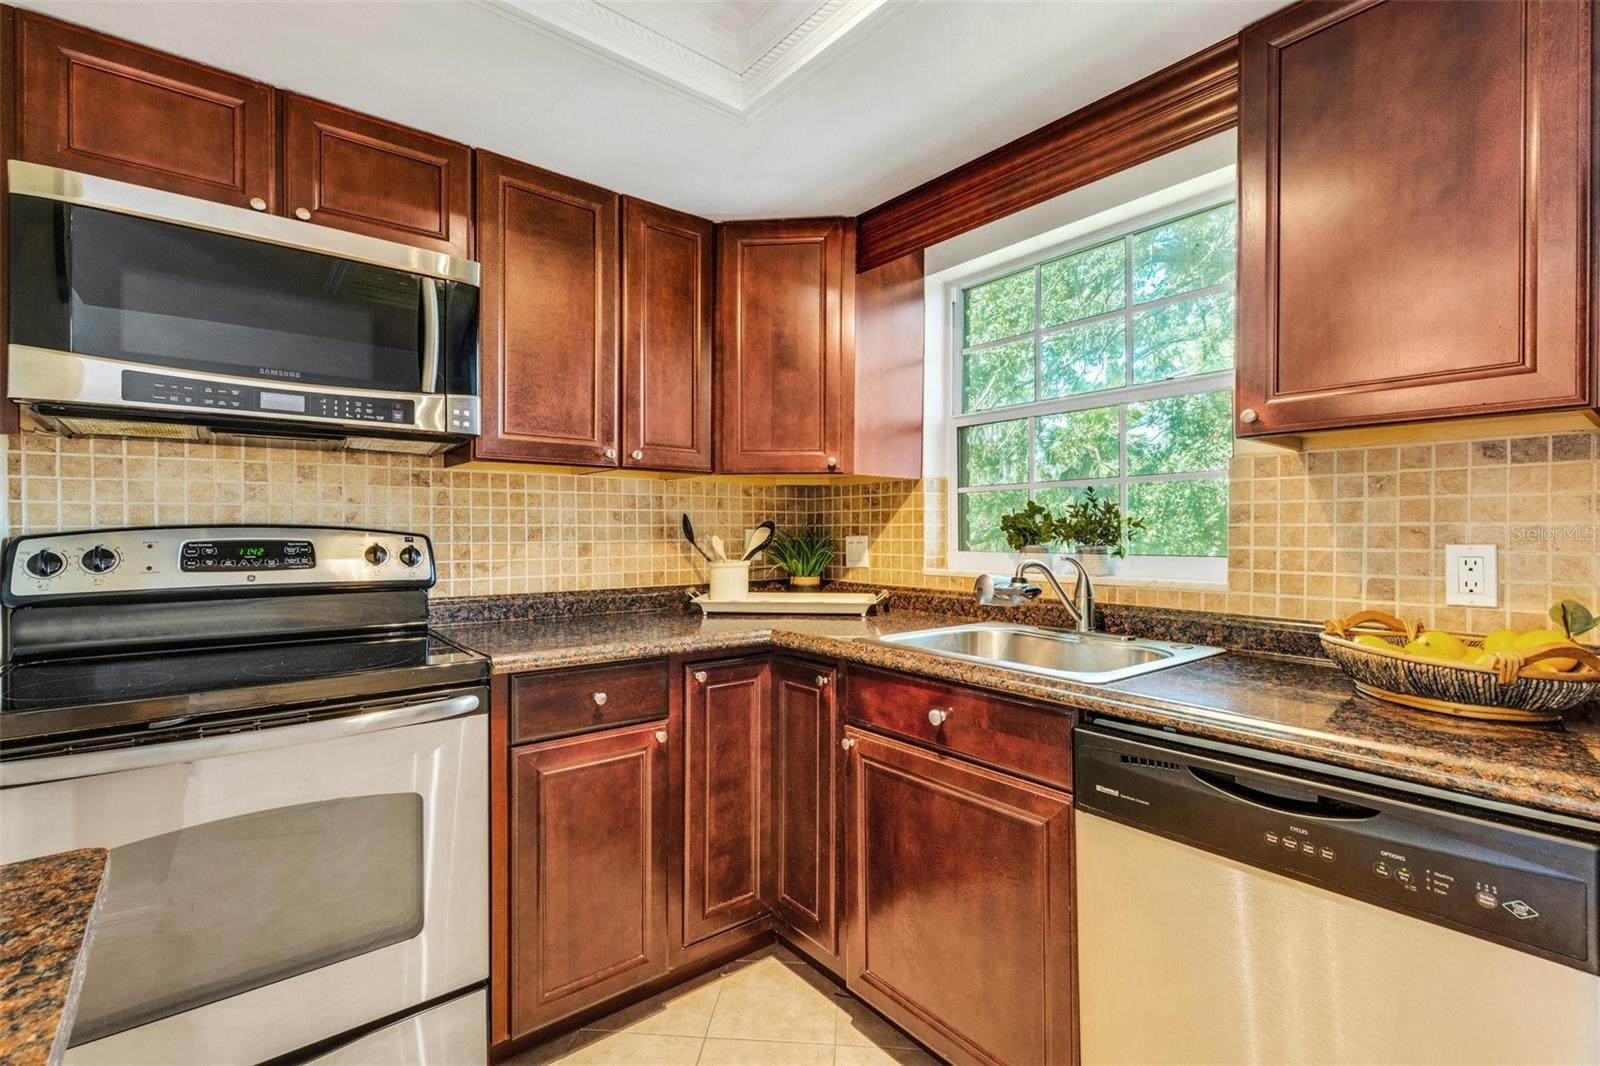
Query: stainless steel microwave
{"type": "Point", "coordinates": [136, 312]}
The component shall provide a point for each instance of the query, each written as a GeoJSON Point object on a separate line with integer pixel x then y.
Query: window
{"type": "Point", "coordinates": [1108, 364]}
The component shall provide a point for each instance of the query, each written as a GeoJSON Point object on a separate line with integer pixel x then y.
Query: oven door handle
{"type": "Point", "coordinates": [431, 341]}
{"type": "Point", "coordinates": [94, 763]}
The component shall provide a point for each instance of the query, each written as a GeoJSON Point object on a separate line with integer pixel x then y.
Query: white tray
{"type": "Point", "coordinates": [792, 603]}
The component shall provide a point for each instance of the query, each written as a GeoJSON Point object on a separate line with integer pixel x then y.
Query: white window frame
{"type": "Point", "coordinates": [1199, 571]}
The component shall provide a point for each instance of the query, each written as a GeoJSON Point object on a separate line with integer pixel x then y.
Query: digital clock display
{"type": "Point", "coordinates": [223, 555]}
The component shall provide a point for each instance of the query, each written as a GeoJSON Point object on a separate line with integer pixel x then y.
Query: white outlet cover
{"type": "Point", "coordinates": [855, 552]}
{"type": "Point", "coordinates": [1471, 575]}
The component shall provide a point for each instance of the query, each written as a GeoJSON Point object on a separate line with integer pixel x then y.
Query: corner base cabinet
{"type": "Point", "coordinates": [588, 853]}
{"type": "Point", "coordinates": [959, 904]}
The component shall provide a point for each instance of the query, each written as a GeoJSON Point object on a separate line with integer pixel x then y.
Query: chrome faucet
{"type": "Point", "coordinates": [1014, 590]}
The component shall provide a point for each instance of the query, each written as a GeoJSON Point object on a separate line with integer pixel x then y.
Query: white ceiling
{"type": "Point", "coordinates": [902, 94]}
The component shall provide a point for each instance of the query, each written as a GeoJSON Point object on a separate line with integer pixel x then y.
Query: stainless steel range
{"type": "Point", "coordinates": [288, 770]}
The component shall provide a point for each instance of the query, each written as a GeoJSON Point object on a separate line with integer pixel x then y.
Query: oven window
{"type": "Point", "coordinates": [217, 909]}
{"type": "Point", "coordinates": [166, 295]}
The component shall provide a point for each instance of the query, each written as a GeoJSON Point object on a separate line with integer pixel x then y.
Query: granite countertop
{"type": "Point", "coordinates": [1293, 706]}
{"type": "Point", "coordinates": [45, 925]}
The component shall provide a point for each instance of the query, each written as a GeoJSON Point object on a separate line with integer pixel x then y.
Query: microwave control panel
{"type": "Point", "coordinates": [201, 395]}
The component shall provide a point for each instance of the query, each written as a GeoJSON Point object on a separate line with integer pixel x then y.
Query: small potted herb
{"type": "Point", "coordinates": [1097, 529]}
{"type": "Point", "coordinates": [804, 554]}
{"type": "Point", "coordinates": [1031, 530]}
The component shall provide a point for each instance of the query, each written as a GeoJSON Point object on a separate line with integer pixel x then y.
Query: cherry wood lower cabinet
{"type": "Point", "coordinates": [588, 838]}
{"type": "Point", "coordinates": [960, 904]}
{"type": "Point", "coordinates": [726, 810]}
{"type": "Point", "coordinates": [803, 873]}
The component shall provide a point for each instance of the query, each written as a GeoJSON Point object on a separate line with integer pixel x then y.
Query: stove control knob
{"type": "Point", "coordinates": [44, 563]}
{"type": "Point", "coordinates": [410, 555]}
{"type": "Point", "coordinates": [99, 559]}
{"type": "Point", "coordinates": [377, 554]}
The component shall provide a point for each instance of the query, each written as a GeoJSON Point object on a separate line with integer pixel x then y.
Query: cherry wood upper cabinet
{"type": "Point", "coordinates": [726, 812]}
{"type": "Point", "coordinates": [960, 904]}
{"type": "Point", "coordinates": [804, 872]}
{"type": "Point", "coordinates": [359, 173]}
{"type": "Point", "coordinates": [588, 852]}
{"type": "Point", "coordinates": [102, 106]}
{"type": "Point", "coordinates": [785, 345]}
{"type": "Point", "coordinates": [1414, 212]}
{"type": "Point", "coordinates": [547, 316]}
{"type": "Point", "coordinates": [667, 297]}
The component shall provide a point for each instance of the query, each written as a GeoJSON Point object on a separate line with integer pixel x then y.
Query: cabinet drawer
{"type": "Point", "coordinates": [1032, 741]}
{"type": "Point", "coordinates": [565, 702]}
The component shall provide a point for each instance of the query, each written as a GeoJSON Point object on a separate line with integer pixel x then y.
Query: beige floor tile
{"type": "Point", "coordinates": [764, 1053]}
{"type": "Point", "coordinates": [781, 952]}
{"type": "Point", "coordinates": [769, 1000]}
{"type": "Point", "coordinates": [682, 1011]}
{"type": "Point", "coordinates": [860, 1026]}
{"type": "Point", "coordinates": [593, 1047]}
{"type": "Point", "coordinates": [844, 1055]}
{"type": "Point", "coordinates": [541, 1054]}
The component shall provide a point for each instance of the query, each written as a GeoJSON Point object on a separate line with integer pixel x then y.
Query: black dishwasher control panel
{"type": "Point", "coordinates": [1497, 878]}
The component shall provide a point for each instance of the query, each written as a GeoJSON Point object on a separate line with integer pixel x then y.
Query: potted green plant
{"type": "Point", "coordinates": [804, 554]}
{"type": "Point", "coordinates": [1098, 530]}
{"type": "Point", "coordinates": [1031, 529]}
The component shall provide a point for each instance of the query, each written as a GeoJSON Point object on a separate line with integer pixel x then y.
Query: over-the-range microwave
{"type": "Point", "coordinates": [141, 313]}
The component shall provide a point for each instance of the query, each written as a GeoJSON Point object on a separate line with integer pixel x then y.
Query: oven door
{"type": "Point", "coordinates": [269, 890]}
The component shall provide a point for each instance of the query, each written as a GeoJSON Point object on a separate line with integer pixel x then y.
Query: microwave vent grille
{"type": "Point", "coordinates": [395, 445]}
{"type": "Point", "coordinates": [117, 427]}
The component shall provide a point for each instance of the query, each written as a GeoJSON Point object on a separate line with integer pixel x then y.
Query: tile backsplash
{"type": "Point", "coordinates": [494, 532]}
{"type": "Point", "coordinates": [1311, 534]}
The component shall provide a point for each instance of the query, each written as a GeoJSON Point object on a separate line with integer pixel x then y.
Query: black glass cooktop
{"type": "Point", "coordinates": [92, 695]}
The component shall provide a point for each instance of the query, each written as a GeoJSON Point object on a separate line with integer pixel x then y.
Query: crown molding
{"type": "Point", "coordinates": [607, 33]}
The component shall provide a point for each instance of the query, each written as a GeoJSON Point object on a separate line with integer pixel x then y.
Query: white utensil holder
{"type": "Point", "coordinates": [730, 580]}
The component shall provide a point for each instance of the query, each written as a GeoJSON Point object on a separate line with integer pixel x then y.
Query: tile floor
{"type": "Point", "coordinates": [768, 1009]}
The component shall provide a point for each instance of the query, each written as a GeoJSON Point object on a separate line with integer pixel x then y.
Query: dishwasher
{"type": "Point", "coordinates": [1237, 911]}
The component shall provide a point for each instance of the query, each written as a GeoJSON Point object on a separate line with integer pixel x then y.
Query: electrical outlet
{"type": "Point", "coordinates": [1471, 575]}
{"type": "Point", "coordinates": [855, 552]}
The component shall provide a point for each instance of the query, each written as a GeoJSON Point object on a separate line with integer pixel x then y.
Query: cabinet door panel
{"type": "Point", "coordinates": [667, 327]}
{"type": "Point", "coordinates": [782, 289]}
{"type": "Point", "coordinates": [106, 107]}
{"type": "Point", "coordinates": [360, 173]}
{"type": "Point", "coordinates": [548, 314]}
{"type": "Point", "coordinates": [805, 741]}
{"type": "Point", "coordinates": [1413, 189]}
{"type": "Point", "coordinates": [725, 809]}
{"type": "Point", "coordinates": [588, 859]}
{"type": "Point", "coordinates": [960, 904]}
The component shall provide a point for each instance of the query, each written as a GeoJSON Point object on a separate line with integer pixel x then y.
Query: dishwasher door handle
{"type": "Point", "coordinates": [1316, 806]}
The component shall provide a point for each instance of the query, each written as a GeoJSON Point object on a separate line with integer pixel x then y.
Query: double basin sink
{"type": "Point", "coordinates": [1090, 658]}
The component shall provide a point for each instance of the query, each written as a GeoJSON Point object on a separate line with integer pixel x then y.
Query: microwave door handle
{"type": "Point", "coordinates": [115, 760]}
{"type": "Point", "coordinates": [430, 335]}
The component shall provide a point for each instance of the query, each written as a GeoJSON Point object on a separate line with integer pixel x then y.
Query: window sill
{"type": "Point", "coordinates": [1175, 584]}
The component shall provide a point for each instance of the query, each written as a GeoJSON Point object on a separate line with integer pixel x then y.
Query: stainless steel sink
{"type": "Point", "coordinates": [1094, 658]}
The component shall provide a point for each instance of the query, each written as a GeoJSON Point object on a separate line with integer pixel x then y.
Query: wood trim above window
{"type": "Point", "coordinates": [1187, 102]}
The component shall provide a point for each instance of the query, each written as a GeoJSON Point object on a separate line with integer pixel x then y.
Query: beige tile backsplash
{"type": "Point", "coordinates": [1312, 533]}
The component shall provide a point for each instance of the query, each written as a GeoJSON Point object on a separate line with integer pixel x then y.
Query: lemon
{"type": "Point", "coordinates": [1436, 644]}
{"type": "Point", "coordinates": [1367, 640]}
{"type": "Point", "coordinates": [1480, 658]}
{"type": "Point", "coordinates": [1501, 640]}
{"type": "Point", "coordinates": [1538, 638]}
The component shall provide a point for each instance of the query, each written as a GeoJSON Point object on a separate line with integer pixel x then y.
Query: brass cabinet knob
{"type": "Point", "coordinates": [661, 736]}
{"type": "Point", "coordinates": [1248, 415]}
{"type": "Point", "coordinates": [822, 680]}
{"type": "Point", "coordinates": [847, 743]}
{"type": "Point", "coordinates": [636, 454]}
{"type": "Point", "coordinates": [302, 214]}
{"type": "Point", "coordinates": [611, 453]}
{"type": "Point", "coordinates": [257, 204]}
{"type": "Point", "coordinates": [599, 699]}
{"type": "Point", "coordinates": [700, 676]}
{"type": "Point", "coordinates": [936, 717]}
{"type": "Point", "coordinates": [833, 461]}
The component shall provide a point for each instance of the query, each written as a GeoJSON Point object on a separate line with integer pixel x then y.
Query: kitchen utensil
{"type": "Point", "coordinates": [688, 535]}
{"type": "Point", "coordinates": [720, 548]}
{"type": "Point", "coordinates": [759, 538]}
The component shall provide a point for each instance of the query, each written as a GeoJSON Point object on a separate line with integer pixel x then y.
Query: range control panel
{"type": "Point", "coordinates": [1492, 877]}
{"type": "Point", "coordinates": [142, 387]}
{"type": "Point", "coordinates": [135, 563]}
